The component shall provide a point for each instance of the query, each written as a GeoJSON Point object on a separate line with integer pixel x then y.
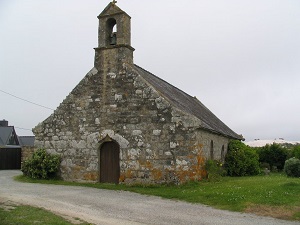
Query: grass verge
{"type": "Point", "coordinates": [11, 214]}
{"type": "Point", "coordinates": [275, 195]}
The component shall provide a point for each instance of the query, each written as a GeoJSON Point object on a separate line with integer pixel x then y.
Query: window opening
{"type": "Point", "coordinates": [111, 31]}
{"type": "Point", "coordinates": [211, 149]}
{"type": "Point", "coordinates": [113, 36]}
{"type": "Point", "coordinates": [223, 153]}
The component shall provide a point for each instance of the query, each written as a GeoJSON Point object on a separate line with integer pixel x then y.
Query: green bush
{"type": "Point", "coordinates": [214, 170]}
{"type": "Point", "coordinates": [292, 167]}
{"type": "Point", "coordinates": [275, 155]}
{"type": "Point", "coordinates": [241, 160]}
{"type": "Point", "coordinates": [42, 165]}
{"type": "Point", "coordinates": [265, 165]}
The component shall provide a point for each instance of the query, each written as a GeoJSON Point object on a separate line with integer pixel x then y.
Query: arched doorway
{"type": "Point", "coordinates": [109, 162]}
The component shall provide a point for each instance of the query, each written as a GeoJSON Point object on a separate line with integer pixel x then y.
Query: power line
{"type": "Point", "coordinates": [22, 128]}
{"type": "Point", "coordinates": [26, 100]}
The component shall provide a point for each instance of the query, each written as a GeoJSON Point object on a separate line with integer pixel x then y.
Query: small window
{"type": "Point", "coordinates": [223, 153]}
{"type": "Point", "coordinates": [211, 149]}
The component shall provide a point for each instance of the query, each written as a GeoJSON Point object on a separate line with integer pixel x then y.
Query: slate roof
{"type": "Point", "coordinates": [26, 140]}
{"type": "Point", "coordinates": [5, 134]}
{"type": "Point", "coordinates": [188, 104]}
{"type": "Point", "coordinates": [1, 142]}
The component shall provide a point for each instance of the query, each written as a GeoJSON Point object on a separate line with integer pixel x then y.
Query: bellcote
{"type": "Point", "coordinates": [114, 28]}
{"type": "Point", "coordinates": [114, 39]}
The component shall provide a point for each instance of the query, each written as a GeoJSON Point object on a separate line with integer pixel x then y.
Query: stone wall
{"type": "Point", "coordinates": [220, 145]}
{"type": "Point", "coordinates": [158, 143]}
{"type": "Point", "coordinates": [27, 152]}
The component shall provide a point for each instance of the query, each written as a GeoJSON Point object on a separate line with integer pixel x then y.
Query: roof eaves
{"type": "Point", "coordinates": [10, 146]}
{"type": "Point", "coordinates": [236, 137]}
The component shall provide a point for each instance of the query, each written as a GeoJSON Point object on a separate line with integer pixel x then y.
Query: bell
{"type": "Point", "coordinates": [113, 39]}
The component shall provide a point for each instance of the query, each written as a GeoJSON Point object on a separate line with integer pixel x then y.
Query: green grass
{"type": "Point", "coordinates": [27, 215]}
{"type": "Point", "coordinates": [275, 195]}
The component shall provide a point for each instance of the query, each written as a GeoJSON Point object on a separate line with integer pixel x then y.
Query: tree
{"type": "Point", "coordinates": [275, 155]}
{"type": "Point", "coordinates": [296, 152]}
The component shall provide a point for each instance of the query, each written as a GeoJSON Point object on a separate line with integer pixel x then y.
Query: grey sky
{"type": "Point", "coordinates": [240, 58]}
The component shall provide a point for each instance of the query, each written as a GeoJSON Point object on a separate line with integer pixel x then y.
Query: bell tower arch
{"type": "Point", "coordinates": [111, 32]}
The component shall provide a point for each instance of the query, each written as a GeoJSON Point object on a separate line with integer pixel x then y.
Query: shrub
{"type": "Point", "coordinates": [296, 152]}
{"type": "Point", "coordinates": [41, 165]}
{"type": "Point", "coordinates": [274, 155]}
{"type": "Point", "coordinates": [265, 165]}
{"type": "Point", "coordinates": [214, 170]}
{"type": "Point", "coordinates": [241, 160]}
{"type": "Point", "coordinates": [292, 167]}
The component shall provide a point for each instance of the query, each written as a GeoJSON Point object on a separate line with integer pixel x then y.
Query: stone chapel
{"type": "Point", "coordinates": [123, 124]}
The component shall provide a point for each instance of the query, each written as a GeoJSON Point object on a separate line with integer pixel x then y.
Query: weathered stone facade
{"type": "Point", "coordinates": [158, 140]}
{"type": "Point", "coordinates": [26, 153]}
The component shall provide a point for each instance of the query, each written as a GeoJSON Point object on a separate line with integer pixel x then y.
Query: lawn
{"type": "Point", "coordinates": [275, 195]}
{"type": "Point", "coordinates": [11, 214]}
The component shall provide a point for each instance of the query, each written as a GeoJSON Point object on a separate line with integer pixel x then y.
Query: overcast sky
{"type": "Point", "coordinates": [240, 58]}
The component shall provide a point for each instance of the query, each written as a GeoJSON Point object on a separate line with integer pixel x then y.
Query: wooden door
{"type": "Point", "coordinates": [109, 163]}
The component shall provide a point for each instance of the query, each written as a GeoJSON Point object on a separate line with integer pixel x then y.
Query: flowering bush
{"type": "Point", "coordinates": [42, 165]}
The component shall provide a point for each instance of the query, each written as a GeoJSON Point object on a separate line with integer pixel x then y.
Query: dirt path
{"type": "Point", "coordinates": [118, 207]}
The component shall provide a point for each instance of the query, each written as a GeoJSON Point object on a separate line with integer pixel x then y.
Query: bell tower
{"type": "Point", "coordinates": [114, 38]}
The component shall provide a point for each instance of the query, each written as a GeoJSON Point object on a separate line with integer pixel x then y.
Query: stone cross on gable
{"type": "Point", "coordinates": [114, 2]}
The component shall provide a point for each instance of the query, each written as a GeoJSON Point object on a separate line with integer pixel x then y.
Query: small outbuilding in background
{"type": "Point", "coordinates": [13, 148]}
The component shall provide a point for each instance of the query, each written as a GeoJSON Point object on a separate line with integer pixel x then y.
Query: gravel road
{"type": "Point", "coordinates": [119, 207]}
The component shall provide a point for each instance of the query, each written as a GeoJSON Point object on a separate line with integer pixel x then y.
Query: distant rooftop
{"type": "Point", "coordinates": [261, 143]}
{"type": "Point", "coordinates": [26, 140]}
{"type": "Point", "coordinates": [9, 138]}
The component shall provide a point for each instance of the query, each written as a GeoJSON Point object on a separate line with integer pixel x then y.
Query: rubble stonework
{"type": "Point", "coordinates": [158, 141]}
